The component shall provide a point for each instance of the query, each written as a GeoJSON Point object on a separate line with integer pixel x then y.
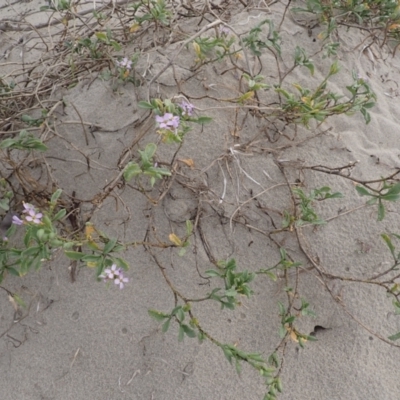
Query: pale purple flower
{"type": "Point", "coordinates": [34, 216]}
{"type": "Point", "coordinates": [111, 273]}
{"type": "Point", "coordinates": [167, 121]}
{"type": "Point", "coordinates": [16, 220]}
{"type": "Point", "coordinates": [223, 30]}
{"type": "Point", "coordinates": [121, 280]}
{"type": "Point", "coordinates": [28, 207]}
{"type": "Point", "coordinates": [5, 239]}
{"type": "Point", "coordinates": [114, 274]}
{"type": "Point", "coordinates": [124, 63]}
{"type": "Point", "coordinates": [187, 108]}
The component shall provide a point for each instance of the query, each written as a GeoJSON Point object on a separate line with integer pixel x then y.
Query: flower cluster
{"type": "Point", "coordinates": [114, 274]}
{"type": "Point", "coordinates": [124, 63]}
{"type": "Point", "coordinates": [31, 215]}
{"type": "Point", "coordinates": [168, 121]}
{"type": "Point", "coordinates": [187, 108]}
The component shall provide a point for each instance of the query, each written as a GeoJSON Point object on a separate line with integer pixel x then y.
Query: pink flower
{"type": "Point", "coordinates": [187, 108]}
{"type": "Point", "coordinates": [114, 274]}
{"type": "Point", "coordinates": [167, 121]}
{"type": "Point", "coordinates": [124, 63]}
{"type": "Point", "coordinates": [34, 216]}
{"type": "Point", "coordinates": [16, 220]}
{"type": "Point", "coordinates": [28, 207]}
{"type": "Point", "coordinates": [111, 273]}
{"type": "Point", "coordinates": [121, 280]}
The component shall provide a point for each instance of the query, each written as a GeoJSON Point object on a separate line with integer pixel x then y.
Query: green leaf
{"type": "Point", "coordinates": [101, 36]}
{"type": "Point", "coordinates": [180, 315]}
{"type": "Point", "coordinates": [389, 243]}
{"type": "Point", "coordinates": [74, 255]}
{"type": "Point", "coordinates": [4, 204]}
{"type": "Point", "coordinates": [115, 45]}
{"type": "Point", "coordinates": [55, 196]}
{"type": "Point", "coordinates": [282, 332]}
{"type": "Point", "coordinates": [336, 195]}
{"type": "Point", "coordinates": [256, 357]}
{"type": "Point", "coordinates": [150, 150]}
{"type": "Point", "coordinates": [381, 211]}
{"type": "Point", "coordinates": [40, 234]}
{"type": "Point", "coordinates": [109, 246]}
{"type": "Point", "coordinates": [308, 312]}
{"type": "Point", "coordinates": [394, 189]}
{"type": "Point", "coordinates": [131, 170]}
{"type": "Point", "coordinates": [146, 105]}
{"type": "Point", "coordinates": [231, 293]}
{"type": "Point", "coordinates": [189, 332]}
{"type": "Point", "coordinates": [165, 325]}
{"type": "Point", "coordinates": [61, 214]}
{"type": "Point", "coordinates": [390, 197]}
{"type": "Point", "coordinates": [272, 276]}
{"type": "Point", "coordinates": [369, 105]}
{"type": "Point", "coordinates": [212, 273]}
{"type": "Point", "coordinates": [122, 263]}
{"type": "Point", "coordinates": [228, 353]}
{"type": "Point", "coordinates": [238, 366]}
{"type": "Point", "coordinates": [30, 251]}
{"type": "Point", "coordinates": [92, 258]}
{"type": "Point", "coordinates": [273, 360]}
{"type": "Point", "coordinates": [6, 143]}
{"type": "Point", "coordinates": [189, 227]}
{"type": "Point", "coordinates": [180, 334]}
{"type": "Point", "coordinates": [157, 315]}
{"type": "Point", "coordinates": [279, 385]}
{"type": "Point", "coordinates": [362, 191]}
{"type": "Point", "coordinates": [394, 337]}
{"type": "Point", "coordinates": [203, 120]}
{"type": "Point", "coordinates": [12, 271]}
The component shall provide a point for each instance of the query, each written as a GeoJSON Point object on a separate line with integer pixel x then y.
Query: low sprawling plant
{"type": "Point", "coordinates": [34, 231]}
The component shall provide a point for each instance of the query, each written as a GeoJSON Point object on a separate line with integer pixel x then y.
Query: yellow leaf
{"type": "Point", "coordinates": [246, 96]}
{"type": "Point", "coordinates": [89, 230]}
{"type": "Point", "coordinates": [393, 27]}
{"type": "Point", "coordinates": [91, 264]}
{"type": "Point", "coordinates": [188, 161]}
{"type": "Point", "coordinates": [297, 86]}
{"type": "Point", "coordinates": [197, 49]}
{"type": "Point", "coordinates": [134, 28]}
{"type": "Point", "coordinates": [13, 303]}
{"type": "Point", "coordinates": [93, 245]}
{"type": "Point", "coordinates": [175, 240]}
{"type": "Point", "coordinates": [126, 73]}
{"type": "Point", "coordinates": [293, 336]}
